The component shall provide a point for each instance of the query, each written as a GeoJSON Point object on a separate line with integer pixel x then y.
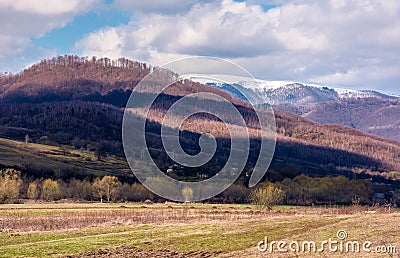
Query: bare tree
{"type": "Point", "coordinates": [110, 184]}
{"type": "Point", "coordinates": [33, 191]}
{"type": "Point", "coordinates": [10, 185]}
{"type": "Point", "coordinates": [267, 196]}
{"type": "Point", "coordinates": [98, 189]}
{"type": "Point", "coordinates": [50, 190]}
{"type": "Point", "coordinates": [27, 138]}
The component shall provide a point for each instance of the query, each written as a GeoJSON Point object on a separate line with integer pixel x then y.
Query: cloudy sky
{"type": "Point", "coordinates": [353, 44]}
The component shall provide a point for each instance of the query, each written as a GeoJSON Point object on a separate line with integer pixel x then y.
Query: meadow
{"type": "Point", "coordinates": [64, 160]}
{"type": "Point", "coordinates": [186, 230]}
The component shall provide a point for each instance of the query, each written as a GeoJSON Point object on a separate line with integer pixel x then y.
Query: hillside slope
{"type": "Point", "coordinates": [372, 115]}
{"type": "Point", "coordinates": [57, 102]}
{"type": "Point", "coordinates": [41, 160]}
{"type": "Point", "coordinates": [366, 110]}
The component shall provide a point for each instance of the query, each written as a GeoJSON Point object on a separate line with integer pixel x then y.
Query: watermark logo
{"type": "Point", "coordinates": [154, 93]}
{"type": "Point", "coordinates": [341, 234]}
{"type": "Point", "coordinates": [339, 245]}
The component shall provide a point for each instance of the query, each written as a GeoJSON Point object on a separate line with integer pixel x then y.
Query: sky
{"type": "Point", "coordinates": [340, 43]}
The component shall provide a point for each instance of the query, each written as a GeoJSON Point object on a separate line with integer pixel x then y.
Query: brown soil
{"type": "Point", "coordinates": [133, 252]}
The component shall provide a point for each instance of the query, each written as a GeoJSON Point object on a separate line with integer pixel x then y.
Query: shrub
{"type": "Point", "coordinates": [33, 191]}
{"type": "Point", "coordinates": [106, 187]}
{"type": "Point", "coordinates": [267, 196]}
{"type": "Point", "coordinates": [10, 185]}
{"type": "Point", "coordinates": [50, 190]}
{"type": "Point", "coordinates": [187, 194]}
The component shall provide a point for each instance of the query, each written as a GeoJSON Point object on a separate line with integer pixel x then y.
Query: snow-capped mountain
{"type": "Point", "coordinates": [347, 93]}
{"type": "Point", "coordinates": [294, 93]}
{"type": "Point", "coordinates": [366, 110]}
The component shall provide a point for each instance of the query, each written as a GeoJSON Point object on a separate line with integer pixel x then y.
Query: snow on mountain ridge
{"type": "Point", "coordinates": [342, 92]}
{"type": "Point", "coordinates": [281, 92]}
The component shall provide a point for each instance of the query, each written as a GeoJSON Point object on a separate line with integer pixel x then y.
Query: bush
{"type": "Point", "coordinates": [50, 190]}
{"type": "Point", "coordinates": [187, 194]}
{"type": "Point", "coordinates": [106, 187]}
{"type": "Point", "coordinates": [10, 185]}
{"type": "Point", "coordinates": [33, 190]}
{"type": "Point", "coordinates": [236, 193]}
{"type": "Point", "coordinates": [267, 196]}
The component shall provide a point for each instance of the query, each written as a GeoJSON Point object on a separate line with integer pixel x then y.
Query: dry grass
{"type": "Point", "coordinates": [180, 230]}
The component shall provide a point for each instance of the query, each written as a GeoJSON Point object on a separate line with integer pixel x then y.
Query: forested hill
{"type": "Point", "coordinates": [371, 115]}
{"type": "Point", "coordinates": [77, 102]}
{"type": "Point", "coordinates": [72, 78]}
{"type": "Point", "coordinates": [67, 78]}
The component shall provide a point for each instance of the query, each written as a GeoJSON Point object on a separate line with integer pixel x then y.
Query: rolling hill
{"type": "Point", "coordinates": [42, 160]}
{"type": "Point", "coordinates": [77, 102]}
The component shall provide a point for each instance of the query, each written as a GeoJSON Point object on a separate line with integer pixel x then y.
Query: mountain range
{"type": "Point", "coordinates": [79, 102]}
{"type": "Point", "coordinates": [294, 93]}
{"type": "Point", "coordinates": [367, 110]}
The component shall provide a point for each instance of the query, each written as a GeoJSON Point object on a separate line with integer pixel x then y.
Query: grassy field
{"type": "Point", "coordinates": [52, 158]}
{"type": "Point", "coordinates": [184, 230]}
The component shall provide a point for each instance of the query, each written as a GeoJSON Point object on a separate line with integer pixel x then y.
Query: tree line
{"type": "Point", "coordinates": [306, 190]}
{"type": "Point", "coordinates": [301, 190]}
{"type": "Point", "coordinates": [14, 187]}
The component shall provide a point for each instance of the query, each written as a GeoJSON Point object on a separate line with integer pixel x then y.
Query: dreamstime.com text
{"type": "Point", "coordinates": [337, 245]}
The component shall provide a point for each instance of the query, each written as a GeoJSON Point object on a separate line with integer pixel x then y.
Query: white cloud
{"type": "Point", "coordinates": [22, 20]}
{"type": "Point", "coordinates": [107, 42]}
{"type": "Point", "coordinates": [350, 43]}
{"type": "Point", "coordinates": [45, 7]}
{"type": "Point", "coordinates": [226, 29]}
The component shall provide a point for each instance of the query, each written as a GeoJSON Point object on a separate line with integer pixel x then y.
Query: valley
{"type": "Point", "coordinates": [85, 125]}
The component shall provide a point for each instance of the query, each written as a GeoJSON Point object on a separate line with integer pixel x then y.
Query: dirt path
{"type": "Point", "coordinates": [141, 253]}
